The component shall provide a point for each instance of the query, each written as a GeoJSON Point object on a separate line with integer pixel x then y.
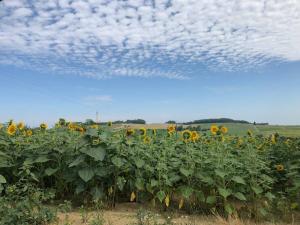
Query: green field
{"type": "Point", "coordinates": [241, 129]}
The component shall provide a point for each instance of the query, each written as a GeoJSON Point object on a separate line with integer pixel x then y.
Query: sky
{"type": "Point", "coordinates": [157, 60]}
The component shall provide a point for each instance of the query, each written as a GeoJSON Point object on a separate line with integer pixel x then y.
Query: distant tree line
{"type": "Point", "coordinates": [135, 121]}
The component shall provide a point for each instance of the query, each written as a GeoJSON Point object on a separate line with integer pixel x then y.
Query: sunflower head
{"type": "Point", "coordinates": [214, 129]}
{"type": "Point", "coordinates": [20, 126]}
{"type": "Point", "coordinates": [187, 135]}
{"type": "Point", "coordinates": [109, 123]}
{"type": "Point", "coordinates": [96, 141]}
{"type": "Point", "coordinates": [171, 128]}
{"type": "Point", "coordinates": [224, 130]}
{"type": "Point", "coordinates": [143, 131]}
{"type": "Point", "coordinates": [130, 131]}
{"type": "Point", "coordinates": [195, 136]}
{"type": "Point", "coordinates": [43, 126]}
{"type": "Point", "coordinates": [95, 126]}
{"type": "Point", "coordinates": [11, 129]}
{"type": "Point", "coordinates": [80, 129]}
{"type": "Point", "coordinates": [71, 126]}
{"type": "Point", "coordinates": [147, 140]}
{"type": "Point", "coordinates": [250, 133]}
{"type": "Point", "coordinates": [279, 167]}
{"type": "Point", "coordinates": [29, 132]}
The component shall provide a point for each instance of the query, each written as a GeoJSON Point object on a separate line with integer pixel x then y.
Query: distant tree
{"type": "Point", "coordinates": [171, 122]}
{"type": "Point", "coordinates": [89, 122]}
{"type": "Point", "coordinates": [136, 121]}
{"type": "Point", "coordinates": [220, 120]}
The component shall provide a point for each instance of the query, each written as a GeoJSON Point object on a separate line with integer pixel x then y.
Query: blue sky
{"type": "Point", "coordinates": [162, 60]}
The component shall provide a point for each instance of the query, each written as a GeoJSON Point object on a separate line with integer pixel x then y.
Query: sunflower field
{"type": "Point", "coordinates": [168, 169]}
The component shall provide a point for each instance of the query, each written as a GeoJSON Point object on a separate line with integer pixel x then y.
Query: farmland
{"type": "Point", "coordinates": [241, 129]}
{"type": "Point", "coordinates": [228, 170]}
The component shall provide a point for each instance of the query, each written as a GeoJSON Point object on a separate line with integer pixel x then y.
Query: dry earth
{"type": "Point", "coordinates": [126, 214]}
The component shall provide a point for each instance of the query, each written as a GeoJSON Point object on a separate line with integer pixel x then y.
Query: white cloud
{"type": "Point", "coordinates": [97, 99]}
{"type": "Point", "coordinates": [143, 38]}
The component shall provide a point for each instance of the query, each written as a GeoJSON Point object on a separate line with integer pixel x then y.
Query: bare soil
{"type": "Point", "coordinates": [126, 214]}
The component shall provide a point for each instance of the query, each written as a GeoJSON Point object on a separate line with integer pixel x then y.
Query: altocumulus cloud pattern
{"type": "Point", "coordinates": [147, 38]}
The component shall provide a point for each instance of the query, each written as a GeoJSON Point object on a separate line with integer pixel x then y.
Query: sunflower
{"type": "Point", "coordinates": [186, 135]}
{"type": "Point", "coordinates": [250, 133]}
{"type": "Point", "coordinates": [143, 131]}
{"type": "Point", "coordinates": [72, 126]}
{"type": "Point", "coordinates": [80, 129]}
{"type": "Point", "coordinates": [224, 130]}
{"type": "Point", "coordinates": [132, 196]}
{"type": "Point", "coordinates": [171, 128]}
{"type": "Point", "coordinates": [195, 136]}
{"type": "Point", "coordinates": [43, 126]}
{"type": "Point", "coordinates": [11, 129]}
{"type": "Point", "coordinates": [154, 131]}
{"type": "Point", "coordinates": [279, 167]}
{"type": "Point", "coordinates": [273, 138]}
{"type": "Point", "coordinates": [130, 131]}
{"type": "Point", "coordinates": [29, 132]}
{"type": "Point", "coordinates": [96, 141]}
{"type": "Point", "coordinates": [109, 123]}
{"type": "Point", "coordinates": [94, 126]}
{"type": "Point", "coordinates": [20, 126]}
{"type": "Point", "coordinates": [1, 125]}
{"type": "Point", "coordinates": [147, 140]}
{"type": "Point", "coordinates": [167, 200]}
{"type": "Point", "coordinates": [214, 129]}
{"type": "Point", "coordinates": [180, 205]}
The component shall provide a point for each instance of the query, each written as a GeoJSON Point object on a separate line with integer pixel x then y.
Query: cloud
{"type": "Point", "coordinates": [145, 38]}
{"type": "Point", "coordinates": [97, 99]}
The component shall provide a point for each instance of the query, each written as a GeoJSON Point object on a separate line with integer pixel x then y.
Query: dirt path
{"type": "Point", "coordinates": [126, 214]}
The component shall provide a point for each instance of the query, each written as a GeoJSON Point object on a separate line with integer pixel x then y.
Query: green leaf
{"type": "Point", "coordinates": [139, 184]}
{"type": "Point", "coordinates": [257, 190]}
{"type": "Point", "coordinates": [121, 181]}
{"type": "Point", "coordinates": [240, 196]}
{"type": "Point", "coordinates": [79, 188]}
{"type": "Point", "coordinates": [220, 173]}
{"type": "Point", "coordinates": [161, 195]}
{"type": "Point", "coordinates": [2, 179]}
{"type": "Point", "coordinates": [118, 162]}
{"type": "Point", "coordinates": [224, 192]}
{"type": "Point", "coordinates": [186, 191]}
{"type": "Point", "coordinates": [139, 163]}
{"type": "Point", "coordinates": [97, 153]}
{"type": "Point", "coordinates": [97, 193]}
{"type": "Point", "coordinates": [50, 171]}
{"type": "Point", "coordinates": [92, 132]}
{"type": "Point", "coordinates": [238, 179]}
{"type": "Point", "coordinates": [154, 183]}
{"type": "Point", "coordinates": [77, 161]}
{"type": "Point", "coordinates": [211, 199]}
{"type": "Point", "coordinates": [86, 174]}
{"type": "Point", "coordinates": [41, 159]}
{"type": "Point", "coordinates": [228, 208]}
{"type": "Point", "coordinates": [185, 172]}
{"type": "Point", "coordinates": [270, 196]}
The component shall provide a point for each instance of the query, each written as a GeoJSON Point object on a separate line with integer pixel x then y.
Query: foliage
{"type": "Point", "coordinates": [220, 120]}
{"type": "Point", "coordinates": [22, 205]}
{"type": "Point", "coordinates": [188, 170]}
